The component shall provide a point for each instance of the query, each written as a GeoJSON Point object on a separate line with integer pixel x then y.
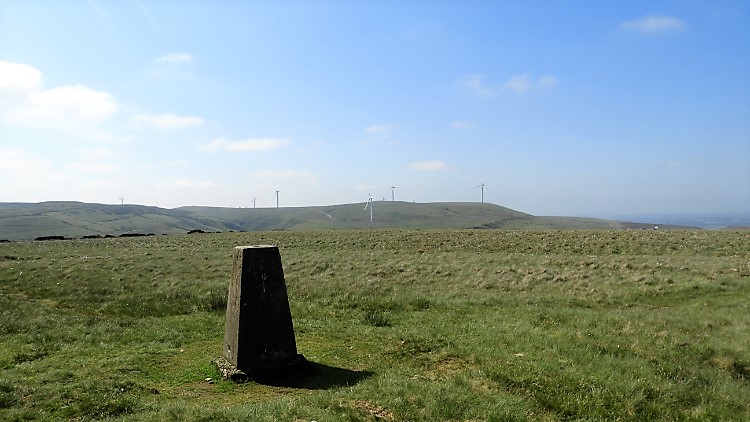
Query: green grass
{"type": "Point", "coordinates": [400, 325]}
{"type": "Point", "coordinates": [76, 219]}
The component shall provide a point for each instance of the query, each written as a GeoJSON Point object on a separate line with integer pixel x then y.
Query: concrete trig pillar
{"type": "Point", "coordinates": [259, 335]}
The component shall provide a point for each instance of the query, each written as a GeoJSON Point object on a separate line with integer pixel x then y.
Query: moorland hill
{"type": "Point", "coordinates": [25, 221]}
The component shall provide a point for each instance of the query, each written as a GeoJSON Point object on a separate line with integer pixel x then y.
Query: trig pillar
{"type": "Point", "coordinates": [259, 335]}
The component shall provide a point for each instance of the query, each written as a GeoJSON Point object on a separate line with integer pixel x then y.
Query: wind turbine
{"type": "Point", "coordinates": [253, 201]}
{"type": "Point", "coordinates": [277, 198]}
{"type": "Point", "coordinates": [122, 200]}
{"type": "Point", "coordinates": [481, 186]}
{"type": "Point", "coordinates": [393, 195]}
{"type": "Point", "coordinates": [369, 204]}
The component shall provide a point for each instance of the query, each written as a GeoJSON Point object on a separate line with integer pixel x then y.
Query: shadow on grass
{"type": "Point", "coordinates": [312, 376]}
{"type": "Point", "coordinates": [294, 372]}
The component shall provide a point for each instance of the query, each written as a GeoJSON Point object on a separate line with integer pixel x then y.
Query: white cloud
{"type": "Point", "coordinates": [18, 77]}
{"type": "Point", "coordinates": [462, 124]}
{"type": "Point", "coordinates": [286, 175]}
{"type": "Point", "coordinates": [176, 58]}
{"type": "Point", "coordinates": [167, 121]}
{"type": "Point", "coordinates": [248, 145]}
{"type": "Point", "coordinates": [63, 106]}
{"type": "Point", "coordinates": [380, 129]}
{"type": "Point", "coordinates": [76, 109]}
{"type": "Point", "coordinates": [654, 25]}
{"type": "Point", "coordinates": [428, 165]}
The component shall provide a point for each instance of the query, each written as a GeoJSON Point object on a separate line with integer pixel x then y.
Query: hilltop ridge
{"type": "Point", "coordinates": [25, 221]}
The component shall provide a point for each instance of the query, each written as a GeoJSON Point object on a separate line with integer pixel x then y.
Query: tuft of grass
{"type": "Point", "coordinates": [216, 300]}
{"type": "Point", "coordinates": [376, 318]}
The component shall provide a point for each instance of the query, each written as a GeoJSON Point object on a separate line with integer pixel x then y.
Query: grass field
{"type": "Point", "coordinates": [399, 325]}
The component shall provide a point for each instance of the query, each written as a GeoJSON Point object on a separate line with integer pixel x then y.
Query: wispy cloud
{"type": "Point", "coordinates": [546, 82]}
{"type": "Point", "coordinates": [94, 154]}
{"type": "Point", "coordinates": [379, 134]}
{"type": "Point", "coordinates": [421, 30]}
{"type": "Point", "coordinates": [184, 184]}
{"type": "Point", "coordinates": [433, 165]}
{"type": "Point", "coordinates": [93, 160]}
{"type": "Point", "coordinates": [247, 145]}
{"type": "Point", "coordinates": [147, 16]}
{"type": "Point", "coordinates": [365, 187]}
{"type": "Point", "coordinates": [286, 175]}
{"type": "Point", "coordinates": [175, 163]}
{"type": "Point", "coordinates": [98, 9]}
{"type": "Point", "coordinates": [175, 58]}
{"type": "Point", "coordinates": [167, 121]}
{"type": "Point", "coordinates": [521, 83]}
{"type": "Point", "coordinates": [525, 83]}
{"type": "Point", "coordinates": [91, 167]}
{"type": "Point", "coordinates": [476, 85]}
{"type": "Point", "coordinates": [672, 164]}
{"type": "Point", "coordinates": [24, 174]}
{"type": "Point", "coordinates": [380, 129]}
{"type": "Point", "coordinates": [651, 25]}
{"type": "Point", "coordinates": [462, 124]}
{"type": "Point", "coordinates": [14, 159]}
{"type": "Point", "coordinates": [99, 184]}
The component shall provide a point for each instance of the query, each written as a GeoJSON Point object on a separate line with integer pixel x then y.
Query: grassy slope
{"type": "Point", "coordinates": [401, 325]}
{"type": "Point", "coordinates": [75, 219]}
{"type": "Point", "coordinates": [353, 216]}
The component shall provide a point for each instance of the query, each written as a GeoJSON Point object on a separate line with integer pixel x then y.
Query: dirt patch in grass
{"type": "Point", "coordinates": [373, 410]}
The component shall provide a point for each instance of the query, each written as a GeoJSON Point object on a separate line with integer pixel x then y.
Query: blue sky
{"type": "Point", "coordinates": [583, 108]}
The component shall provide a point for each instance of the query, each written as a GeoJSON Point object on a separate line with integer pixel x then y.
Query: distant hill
{"type": "Point", "coordinates": [25, 221]}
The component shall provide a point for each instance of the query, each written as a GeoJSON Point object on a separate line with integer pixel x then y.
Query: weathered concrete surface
{"type": "Point", "coordinates": [259, 334]}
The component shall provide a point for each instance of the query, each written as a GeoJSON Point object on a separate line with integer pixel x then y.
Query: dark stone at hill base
{"type": "Point", "coordinates": [41, 238]}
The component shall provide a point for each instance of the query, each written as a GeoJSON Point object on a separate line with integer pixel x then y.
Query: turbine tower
{"type": "Point", "coordinates": [277, 198]}
{"type": "Point", "coordinates": [122, 200]}
{"type": "Point", "coordinates": [253, 201]}
{"type": "Point", "coordinates": [393, 195]}
{"type": "Point", "coordinates": [369, 204]}
{"type": "Point", "coordinates": [481, 186]}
